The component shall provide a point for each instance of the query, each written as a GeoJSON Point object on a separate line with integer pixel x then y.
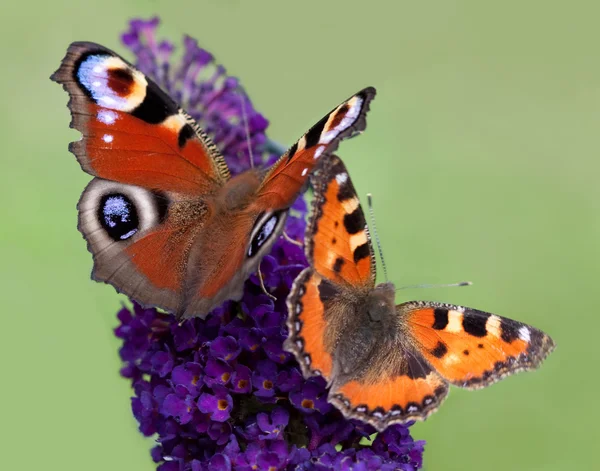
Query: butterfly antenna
{"type": "Point", "coordinates": [246, 127]}
{"type": "Point", "coordinates": [372, 216]}
{"type": "Point", "coordinates": [447, 285]}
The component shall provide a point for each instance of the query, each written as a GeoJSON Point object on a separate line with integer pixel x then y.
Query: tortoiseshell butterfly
{"type": "Point", "coordinates": [387, 363]}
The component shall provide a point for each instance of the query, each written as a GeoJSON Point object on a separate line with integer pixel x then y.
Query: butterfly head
{"type": "Point", "coordinates": [379, 304]}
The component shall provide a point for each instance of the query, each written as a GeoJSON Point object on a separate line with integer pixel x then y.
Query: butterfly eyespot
{"type": "Point", "coordinates": [265, 227]}
{"type": "Point", "coordinates": [299, 343]}
{"type": "Point", "coordinates": [306, 359]}
{"type": "Point", "coordinates": [109, 82]}
{"type": "Point", "coordinates": [395, 412]}
{"type": "Point", "coordinates": [298, 325]}
{"type": "Point", "coordinates": [361, 409]}
{"type": "Point", "coordinates": [118, 216]}
{"type": "Point", "coordinates": [428, 400]}
{"type": "Point", "coordinates": [378, 413]}
{"type": "Point", "coordinates": [298, 309]}
{"type": "Point", "coordinates": [412, 408]}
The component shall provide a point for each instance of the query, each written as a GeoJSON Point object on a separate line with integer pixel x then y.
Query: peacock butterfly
{"type": "Point", "coordinates": [166, 223]}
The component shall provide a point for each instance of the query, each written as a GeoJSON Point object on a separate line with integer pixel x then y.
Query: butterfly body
{"type": "Point", "coordinates": [165, 221]}
{"type": "Point", "coordinates": [387, 363]}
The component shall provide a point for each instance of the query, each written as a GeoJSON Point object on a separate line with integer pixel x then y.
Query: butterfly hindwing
{"type": "Point", "coordinates": [399, 386]}
{"type": "Point", "coordinates": [471, 348]}
{"type": "Point", "coordinates": [132, 131]}
{"type": "Point", "coordinates": [140, 239]}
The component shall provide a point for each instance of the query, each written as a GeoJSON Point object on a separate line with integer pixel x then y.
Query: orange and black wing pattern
{"type": "Point", "coordinates": [471, 348]}
{"type": "Point", "coordinates": [337, 242]}
{"type": "Point", "coordinates": [288, 176]}
{"type": "Point", "coordinates": [398, 386]}
{"type": "Point", "coordinates": [340, 255]}
{"type": "Point", "coordinates": [132, 131]}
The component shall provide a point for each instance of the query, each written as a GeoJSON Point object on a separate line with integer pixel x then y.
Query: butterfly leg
{"type": "Point", "coordinates": [293, 241]}
{"type": "Point", "coordinates": [262, 285]}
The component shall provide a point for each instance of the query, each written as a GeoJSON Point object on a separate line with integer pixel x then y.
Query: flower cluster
{"type": "Point", "coordinates": [221, 393]}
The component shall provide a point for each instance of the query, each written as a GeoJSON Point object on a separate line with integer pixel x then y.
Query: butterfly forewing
{"type": "Point", "coordinates": [133, 132]}
{"type": "Point", "coordinates": [289, 174]}
{"type": "Point", "coordinates": [337, 239]}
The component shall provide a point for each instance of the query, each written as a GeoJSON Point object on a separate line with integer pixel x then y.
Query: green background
{"type": "Point", "coordinates": [482, 154]}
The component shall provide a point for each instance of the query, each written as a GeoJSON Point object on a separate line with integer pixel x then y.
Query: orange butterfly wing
{"type": "Point", "coordinates": [471, 348]}
{"type": "Point", "coordinates": [287, 177]}
{"type": "Point", "coordinates": [338, 249]}
{"type": "Point", "coordinates": [337, 239]}
{"type": "Point", "coordinates": [392, 397]}
{"type": "Point", "coordinates": [132, 131]}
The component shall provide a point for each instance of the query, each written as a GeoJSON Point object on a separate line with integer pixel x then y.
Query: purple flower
{"type": "Point", "coordinates": [218, 372]}
{"type": "Point", "coordinates": [225, 348]}
{"type": "Point", "coordinates": [240, 380]}
{"type": "Point", "coordinates": [221, 393]}
{"type": "Point", "coordinates": [218, 405]}
{"type": "Point", "coordinates": [311, 396]}
{"type": "Point", "coordinates": [273, 424]}
{"type": "Point", "coordinates": [182, 409]}
{"type": "Point", "coordinates": [187, 378]}
{"type": "Point", "coordinates": [264, 379]}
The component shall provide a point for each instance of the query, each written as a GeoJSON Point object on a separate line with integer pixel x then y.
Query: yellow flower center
{"type": "Point", "coordinates": [222, 404]}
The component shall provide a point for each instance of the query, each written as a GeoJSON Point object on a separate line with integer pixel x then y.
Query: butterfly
{"type": "Point", "coordinates": [387, 363]}
{"type": "Point", "coordinates": [166, 223]}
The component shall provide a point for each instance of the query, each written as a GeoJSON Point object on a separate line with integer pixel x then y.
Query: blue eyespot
{"type": "Point", "coordinates": [118, 216]}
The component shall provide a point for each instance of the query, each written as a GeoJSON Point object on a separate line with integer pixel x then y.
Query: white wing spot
{"type": "Point", "coordinates": [524, 334]}
{"type": "Point", "coordinates": [341, 178]}
{"type": "Point", "coordinates": [318, 152]}
{"type": "Point", "coordinates": [107, 117]}
{"type": "Point", "coordinates": [304, 171]}
{"type": "Point", "coordinates": [108, 138]}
